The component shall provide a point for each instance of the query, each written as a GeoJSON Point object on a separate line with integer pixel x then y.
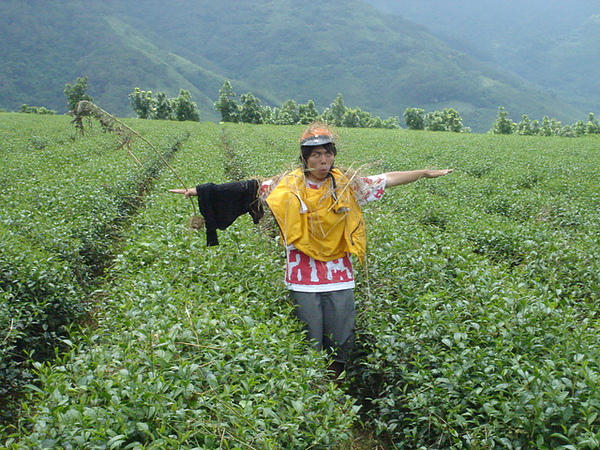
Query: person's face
{"type": "Point", "coordinates": [319, 163]}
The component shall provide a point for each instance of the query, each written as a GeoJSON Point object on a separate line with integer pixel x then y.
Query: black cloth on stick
{"type": "Point", "coordinates": [221, 204]}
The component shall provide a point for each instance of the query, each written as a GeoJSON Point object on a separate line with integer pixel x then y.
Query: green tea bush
{"type": "Point", "coordinates": [39, 300]}
{"type": "Point", "coordinates": [194, 347]}
{"type": "Point", "coordinates": [482, 333]}
{"type": "Point", "coordinates": [59, 228]}
{"type": "Point", "coordinates": [196, 364]}
{"type": "Point", "coordinates": [476, 360]}
{"type": "Point", "coordinates": [477, 306]}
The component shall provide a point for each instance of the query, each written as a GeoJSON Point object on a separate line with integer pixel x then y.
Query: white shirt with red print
{"type": "Point", "coordinates": [306, 274]}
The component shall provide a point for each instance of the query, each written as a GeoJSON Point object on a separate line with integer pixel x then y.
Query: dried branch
{"type": "Point", "coordinates": [88, 110]}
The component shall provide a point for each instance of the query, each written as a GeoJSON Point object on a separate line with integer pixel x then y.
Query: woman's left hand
{"type": "Point", "coordinates": [436, 173]}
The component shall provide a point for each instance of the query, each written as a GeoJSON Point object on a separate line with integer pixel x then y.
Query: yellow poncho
{"type": "Point", "coordinates": [318, 222]}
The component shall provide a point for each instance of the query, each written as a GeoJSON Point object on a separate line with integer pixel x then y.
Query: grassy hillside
{"type": "Point", "coordinates": [477, 302]}
{"type": "Point", "coordinates": [380, 63]}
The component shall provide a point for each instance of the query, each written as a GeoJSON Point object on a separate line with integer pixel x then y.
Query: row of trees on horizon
{"type": "Point", "coordinates": [547, 127]}
{"type": "Point", "coordinates": [249, 109]}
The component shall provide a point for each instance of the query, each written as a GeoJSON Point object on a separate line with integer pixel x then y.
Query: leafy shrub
{"type": "Point", "coordinates": [472, 358]}
{"type": "Point", "coordinates": [435, 219]}
{"type": "Point", "coordinates": [477, 307]}
{"type": "Point", "coordinates": [39, 300]}
{"type": "Point", "coordinates": [458, 375]}
{"type": "Point", "coordinates": [499, 246]}
{"type": "Point", "coordinates": [195, 347]}
{"type": "Point", "coordinates": [59, 229]}
{"type": "Point", "coordinates": [529, 180]}
{"type": "Point", "coordinates": [36, 110]}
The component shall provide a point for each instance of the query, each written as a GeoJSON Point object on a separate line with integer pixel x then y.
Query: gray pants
{"type": "Point", "coordinates": [328, 319]}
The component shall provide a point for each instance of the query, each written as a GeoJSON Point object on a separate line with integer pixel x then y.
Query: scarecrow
{"type": "Point", "coordinates": [318, 210]}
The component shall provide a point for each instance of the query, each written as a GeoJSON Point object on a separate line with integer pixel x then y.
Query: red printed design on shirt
{"type": "Point", "coordinates": [304, 273]}
{"type": "Point", "coordinates": [304, 270]}
{"type": "Point", "coordinates": [372, 189]}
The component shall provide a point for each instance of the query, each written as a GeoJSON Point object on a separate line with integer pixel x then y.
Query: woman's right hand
{"type": "Point", "coordinates": [187, 192]}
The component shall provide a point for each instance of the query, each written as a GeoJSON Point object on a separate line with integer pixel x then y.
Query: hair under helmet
{"type": "Point", "coordinates": [315, 136]}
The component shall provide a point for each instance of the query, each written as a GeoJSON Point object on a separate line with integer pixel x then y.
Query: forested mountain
{"type": "Point", "coordinates": [278, 49]}
{"type": "Point", "coordinates": [552, 43]}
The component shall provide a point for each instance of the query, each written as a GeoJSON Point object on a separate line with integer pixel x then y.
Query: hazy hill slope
{"type": "Point", "coordinates": [39, 47]}
{"type": "Point", "coordinates": [277, 49]}
{"type": "Point", "coordinates": [313, 50]}
{"type": "Point", "coordinates": [572, 64]}
{"type": "Point", "coordinates": [551, 43]}
{"type": "Point", "coordinates": [44, 46]}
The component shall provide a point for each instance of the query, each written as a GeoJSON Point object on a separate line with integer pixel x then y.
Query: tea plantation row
{"type": "Point", "coordinates": [190, 347]}
{"type": "Point", "coordinates": [479, 321]}
{"type": "Point", "coordinates": [477, 303]}
{"type": "Point", "coordinates": [64, 202]}
{"type": "Point", "coordinates": [479, 297]}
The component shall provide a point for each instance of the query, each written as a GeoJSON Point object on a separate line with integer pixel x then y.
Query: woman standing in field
{"type": "Point", "coordinates": [317, 208]}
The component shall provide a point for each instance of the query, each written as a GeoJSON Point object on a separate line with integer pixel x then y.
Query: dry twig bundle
{"type": "Point", "coordinates": [88, 110]}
